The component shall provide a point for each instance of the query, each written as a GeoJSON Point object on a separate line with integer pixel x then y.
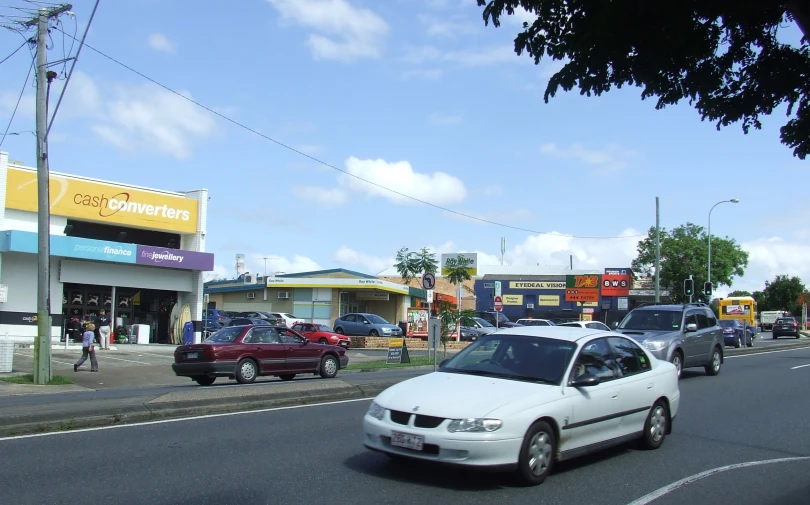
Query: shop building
{"type": "Point", "coordinates": [319, 297]}
{"type": "Point", "coordinates": [137, 253]}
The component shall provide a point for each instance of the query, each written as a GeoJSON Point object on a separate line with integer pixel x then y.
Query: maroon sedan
{"type": "Point", "coordinates": [247, 352]}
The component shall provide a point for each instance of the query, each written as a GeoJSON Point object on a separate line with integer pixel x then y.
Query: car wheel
{"type": "Point", "coordinates": [339, 330]}
{"type": "Point", "coordinates": [287, 376]}
{"type": "Point", "coordinates": [536, 454]}
{"type": "Point", "coordinates": [373, 333]}
{"type": "Point", "coordinates": [713, 368]}
{"type": "Point", "coordinates": [655, 428]}
{"type": "Point", "coordinates": [329, 366]}
{"type": "Point", "coordinates": [246, 371]}
{"type": "Point", "coordinates": [677, 360]}
{"type": "Point", "coordinates": [737, 343]}
{"type": "Point", "coordinates": [773, 336]}
{"type": "Point", "coordinates": [323, 341]}
{"type": "Point", "coordinates": [204, 380]}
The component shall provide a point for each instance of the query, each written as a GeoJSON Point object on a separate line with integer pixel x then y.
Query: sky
{"type": "Point", "coordinates": [418, 97]}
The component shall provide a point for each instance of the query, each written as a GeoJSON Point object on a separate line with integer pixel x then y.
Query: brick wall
{"type": "Point", "coordinates": [411, 343]}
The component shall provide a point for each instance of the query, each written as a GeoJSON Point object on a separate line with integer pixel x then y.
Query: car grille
{"type": "Point", "coordinates": [420, 421]}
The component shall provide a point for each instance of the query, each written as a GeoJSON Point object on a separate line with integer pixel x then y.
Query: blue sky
{"type": "Point", "coordinates": [417, 96]}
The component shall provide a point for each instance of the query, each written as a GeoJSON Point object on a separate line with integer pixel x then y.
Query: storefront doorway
{"type": "Point", "coordinates": [132, 306]}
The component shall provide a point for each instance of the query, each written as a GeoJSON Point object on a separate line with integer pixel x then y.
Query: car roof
{"type": "Point", "coordinates": [567, 333]}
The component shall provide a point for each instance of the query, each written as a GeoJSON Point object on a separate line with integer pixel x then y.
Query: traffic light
{"type": "Point", "coordinates": [688, 287]}
{"type": "Point", "coordinates": [707, 289]}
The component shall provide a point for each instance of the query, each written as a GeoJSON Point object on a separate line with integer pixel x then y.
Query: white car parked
{"type": "Point", "coordinates": [525, 397]}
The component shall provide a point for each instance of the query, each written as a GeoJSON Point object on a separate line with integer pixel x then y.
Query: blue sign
{"type": "Point", "coordinates": [71, 247]}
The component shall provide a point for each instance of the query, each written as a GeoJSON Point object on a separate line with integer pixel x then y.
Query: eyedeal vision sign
{"type": "Point", "coordinates": [174, 258]}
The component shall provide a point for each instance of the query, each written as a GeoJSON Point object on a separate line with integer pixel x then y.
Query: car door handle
{"type": "Point", "coordinates": [616, 395]}
{"type": "Point", "coordinates": [649, 386]}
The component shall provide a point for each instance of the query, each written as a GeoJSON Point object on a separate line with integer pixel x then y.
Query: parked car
{"type": "Point", "coordinates": [245, 321]}
{"type": "Point", "coordinates": [733, 333]}
{"type": "Point", "coordinates": [492, 316]}
{"type": "Point", "coordinates": [594, 325]}
{"type": "Point", "coordinates": [288, 319]}
{"type": "Point", "coordinates": [525, 398]}
{"type": "Point", "coordinates": [217, 315]}
{"type": "Point", "coordinates": [209, 326]}
{"type": "Point", "coordinates": [535, 322]}
{"type": "Point", "coordinates": [267, 316]}
{"type": "Point", "coordinates": [322, 334]}
{"type": "Point", "coordinates": [786, 326]}
{"type": "Point", "coordinates": [366, 324]}
{"type": "Point", "coordinates": [686, 335]}
{"type": "Point", "coordinates": [248, 352]}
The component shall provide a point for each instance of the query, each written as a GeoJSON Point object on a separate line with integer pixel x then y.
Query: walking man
{"type": "Point", "coordinates": [103, 324]}
{"type": "Point", "coordinates": [88, 350]}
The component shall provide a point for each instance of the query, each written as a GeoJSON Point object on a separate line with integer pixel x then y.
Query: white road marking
{"type": "Point", "coordinates": [800, 366]}
{"type": "Point", "coordinates": [122, 359]}
{"type": "Point", "coordinates": [767, 352]}
{"type": "Point", "coordinates": [182, 419]}
{"type": "Point", "coordinates": [52, 360]}
{"type": "Point", "coordinates": [658, 493]}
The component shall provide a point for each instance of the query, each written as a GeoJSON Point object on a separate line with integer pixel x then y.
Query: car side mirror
{"type": "Point", "coordinates": [614, 324]}
{"type": "Point", "coordinates": [443, 362]}
{"type": "Point", "coordinates": [585, 380]}
{"type": "Point", "coordinates": [691, 327]}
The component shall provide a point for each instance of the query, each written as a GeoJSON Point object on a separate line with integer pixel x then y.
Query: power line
{"type": "Point", "coordinates": [12, 54]}
{"type": "Point", "coordinates": [19, 99]}
{"type": "Point", "coordinates": [345, 172]}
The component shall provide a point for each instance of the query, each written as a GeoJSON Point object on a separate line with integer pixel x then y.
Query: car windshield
{"type": "Point", "coordinates": [375, 319]}
{"type": "Point", "coordinates": [323, 327]}
{"type": "Point", "coordinates": [785, 320]}
{"type": "Point", "coordinates": [289, 316]}
{"type": "Point", "coordinates": [728, 323]}
{"type": "Point", "coordinates": [652, 320]}
{"type": "Point", "coordinates": [483, 322]}
{"type": "Point", "coordinates": [514, 357]}
{"type": "Point", "coordinates": [224, 335]}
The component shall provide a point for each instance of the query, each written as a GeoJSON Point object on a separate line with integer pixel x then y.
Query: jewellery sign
{"type": "Point", "coordinates": [174, 258]}
{"type": "Point", "coordinates": [582, 288]}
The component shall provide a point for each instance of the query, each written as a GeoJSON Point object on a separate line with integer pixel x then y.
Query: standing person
{"type": "Point", "coordinates": [88, 349]}
{"type": "Point", "coordinates": [74, 329]}
{"type": "Point", "coordinates": [103, 323]}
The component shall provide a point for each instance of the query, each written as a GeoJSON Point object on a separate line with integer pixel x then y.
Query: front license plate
{"type": "Point", "coordinates": [192, 355]}
{"type": "Point", "coordinates": [406, 441]}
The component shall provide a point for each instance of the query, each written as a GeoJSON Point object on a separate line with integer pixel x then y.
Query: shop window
{"type": "Point", "coordinates": [302, 295]}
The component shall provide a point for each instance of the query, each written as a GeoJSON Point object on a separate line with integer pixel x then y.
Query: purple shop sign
{"type": "Point", "coordinates": [174, 258]}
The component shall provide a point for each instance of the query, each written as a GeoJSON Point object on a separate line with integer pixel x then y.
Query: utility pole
{"type": "Point", "coordinates": [503, 248]}
{"type": "Point", "coordinates": [42, 343]}
{"type": "Point", "coordinates": [657, 250]}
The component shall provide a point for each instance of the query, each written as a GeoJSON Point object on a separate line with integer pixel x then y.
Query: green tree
{"type": "Point", "coordinates": [738, 292]}
{"type": "Point", "coordinates": [762, 300]}
{"type": "Point", "coordinates": [451, 321]}
{"type": "Point", "coordinates": [684, 251]}
{"type": "Point", "coordinates": [426, 261]}
{"type": "Point", "coordinates": [783, 292]}
{"type": "Point", "coordinates": [724, 57]}
{"type": "Point", "coordinates": [411, 264]}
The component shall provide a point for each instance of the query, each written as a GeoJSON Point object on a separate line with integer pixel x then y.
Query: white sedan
{"type": "Point", "coordinates": [525, 397]}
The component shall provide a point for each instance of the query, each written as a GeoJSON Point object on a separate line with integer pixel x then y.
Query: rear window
{"type": "Point", "coordinates": [225, 335]}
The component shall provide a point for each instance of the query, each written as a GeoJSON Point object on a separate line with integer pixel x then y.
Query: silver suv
{"type": "Point", "coordinates": [686, 335]}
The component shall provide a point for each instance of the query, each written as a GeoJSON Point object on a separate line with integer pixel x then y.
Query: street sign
{"type": "Point", "coordinates": [430, 296]}
{"type": "Point", "coordinates": [497, 288]}
{"type": "Point", "coordinates": [434, 333]}
{"type": "Point", "coordinates": [498, 304]}
{"type": "Point", "coordinates": [428, 281]}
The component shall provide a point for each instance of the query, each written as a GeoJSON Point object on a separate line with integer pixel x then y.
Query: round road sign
{"type": "Point", "coordinates": [429, 281]}
{"type": "Point", "coordinates": [498, 304]}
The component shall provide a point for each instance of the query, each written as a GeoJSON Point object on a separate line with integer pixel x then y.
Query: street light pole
{"type": "Point", "coordinates": [709, 273]}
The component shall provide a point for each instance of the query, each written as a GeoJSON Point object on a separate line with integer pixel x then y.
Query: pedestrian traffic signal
{"type": "Point", "coordinates": [707, 289]}
{"type": "Point", "coordinates": [689, 287]}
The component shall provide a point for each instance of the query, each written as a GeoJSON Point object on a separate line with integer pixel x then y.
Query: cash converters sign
{"type": "Point", "coordinates": [104, 203]}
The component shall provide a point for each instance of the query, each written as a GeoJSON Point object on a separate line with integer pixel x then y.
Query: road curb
{"type": "Point", "coordinates": [151, 411]}
{"type": "Point", "coordinates": [760, 350]}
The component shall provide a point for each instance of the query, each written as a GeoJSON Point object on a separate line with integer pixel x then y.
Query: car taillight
{"type": "Point", "coordinates": [795, 324]}
{"type": "Point", "coordinates": [210, 352]}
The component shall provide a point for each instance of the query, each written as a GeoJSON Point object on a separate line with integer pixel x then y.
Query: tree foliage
{"type": "Point", "coordinates": [783, 293]}
{"type": "Point", "coordinates": [451, 319]}
{"type": "Point", "coordinates": [458, 270]}
{"type": "Point", "coordinates": [412, 264]}
{"type": "Point", "coordinates": [738, 292]}
{"type": "Point", "coordinates": [684, 251]}
{"type": "Point", "coordinates": [723, 56]}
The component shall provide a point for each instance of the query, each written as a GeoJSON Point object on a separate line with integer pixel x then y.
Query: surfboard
{"type": "Point", "coordinates": [183, 317]}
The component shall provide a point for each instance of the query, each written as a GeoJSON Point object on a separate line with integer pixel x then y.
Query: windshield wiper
{"type": "Point", "coordinates": [531, 379]}
{"type": "Point", "coordinates": [500, 375]}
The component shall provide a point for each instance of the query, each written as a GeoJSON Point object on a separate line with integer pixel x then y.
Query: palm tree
{"type": "Point", "coordinates": [454, 320]}
{"type": "Point", "coordinates": [406, 265]}
{"type": "Point", "coordinates": [457, 271]}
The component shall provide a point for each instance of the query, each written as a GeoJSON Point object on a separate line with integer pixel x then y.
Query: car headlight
{"type": "Point", "coordinates": [386, 330]}
{"type": "Point", "coordinates": [376, 411]}
{"type": "Point", "coordinates": [474, 425]}
{"type": "Point", "coordinates": [655, 345]}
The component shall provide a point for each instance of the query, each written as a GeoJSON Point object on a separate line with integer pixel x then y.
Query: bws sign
{"type": "Point", "coordinates": [615, 285]}
{"type": "Point", "coordinates": [104, 203]}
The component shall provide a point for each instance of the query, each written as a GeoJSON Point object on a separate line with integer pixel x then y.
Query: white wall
{"type": "Point", "coordinates": [196, 242]}
{"type": "Point", "coordinates": [20, 274]}
{"type": "Point", "coordinates": [27, 221]}
{"type": "Point", "coordinates": [127, 276]}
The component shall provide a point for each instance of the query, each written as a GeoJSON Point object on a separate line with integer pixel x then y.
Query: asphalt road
{"type": "Point", "coordinates": [755, 410]}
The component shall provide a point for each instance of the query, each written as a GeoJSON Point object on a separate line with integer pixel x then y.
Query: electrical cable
{"type": "Point", "coordinates": [12, 54]}
{"type": "Point", "coordinates": [19, 99]}
{"type": "Point", "coordinates": [345, 172]}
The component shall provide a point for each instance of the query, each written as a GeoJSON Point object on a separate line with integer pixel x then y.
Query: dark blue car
{"type": "Point", "coordinates": [733, 333]}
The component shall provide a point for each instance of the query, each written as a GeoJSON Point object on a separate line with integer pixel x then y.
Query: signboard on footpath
{"type": "Point", "coordinates": [397, 352]}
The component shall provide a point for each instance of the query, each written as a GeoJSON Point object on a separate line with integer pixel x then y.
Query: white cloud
{"type": "Point", "coordinates": [400, 176]}
{"type": "Point", "coordinates": [326, 197]}
{"type": "Point", "coordinates": [556, 249]}
{"type": "Point", "coordinates": [161, 43]}
{"type": "Point", "coordinates": [469, 58]}
{"type": "Point", "coordinates": [441, 27]}
{"type": "Point", "coordinates": [298, 263]}
{"type": "Point", "coordinates": [357, 33]}
{"type": "Point", "coordinates": [769, 257]}
{"type": "Point", "coordinates": [522, 16]}
{"type": "Point", "coordinates": [362, 262]}
{"type": "Point", "coordinates": [152, 119]}
{"type": "Point", "coordinates": [612, 157]}
{"type": "Point", "coordinates": [441, 119]}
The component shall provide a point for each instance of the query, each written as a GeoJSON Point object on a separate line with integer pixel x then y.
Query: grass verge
{"type": "Point", "coordinates": [381, 364]}
{"type": "Point", "coordinates": [56, 380]}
